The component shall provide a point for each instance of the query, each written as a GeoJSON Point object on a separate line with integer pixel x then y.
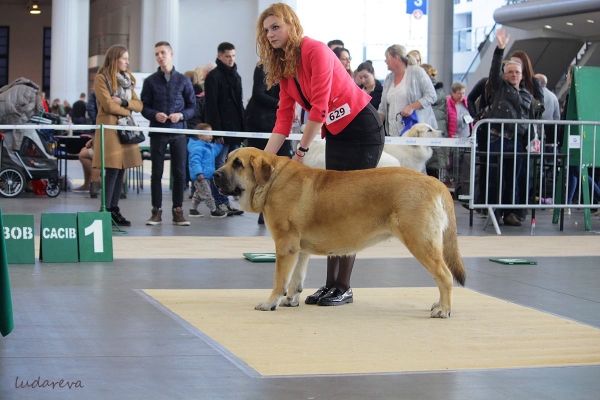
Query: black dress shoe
{"type": "Point", "coordinates": [335, 297]}
{"type": "Point", "coordinates": [314, 298]}
{"type": "Point", "coordinates": [261, 219]}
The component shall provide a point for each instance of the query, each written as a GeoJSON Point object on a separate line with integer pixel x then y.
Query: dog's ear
{"type": "Point", "coordinates": [262, 169]}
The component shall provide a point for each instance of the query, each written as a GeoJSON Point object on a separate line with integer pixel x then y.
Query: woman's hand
{"type": "Point", "coordinates": [297, 158]}
{"type": "Point", "coordinates": [117, 100]}
{"type": "Point", "coordinates": [406, 111]}
{"type": "Point", "coordinates": [502, 37]}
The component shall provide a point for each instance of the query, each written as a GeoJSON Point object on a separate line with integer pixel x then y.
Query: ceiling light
{"type": "Point", "coordinates": [547, 27]}
{"type": "Point", "coordinates": [570, 23]}
{"type": "Point", "coordinates": [34, 8]}
{"type": "Point", "coordinates": [591, 21]}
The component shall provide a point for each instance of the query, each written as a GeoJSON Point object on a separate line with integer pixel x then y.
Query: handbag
{"type": "Point", "coordinates": [129, 136]}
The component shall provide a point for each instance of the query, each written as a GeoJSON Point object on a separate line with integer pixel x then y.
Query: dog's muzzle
{"type": "Point", "coordinates": [223, 184]}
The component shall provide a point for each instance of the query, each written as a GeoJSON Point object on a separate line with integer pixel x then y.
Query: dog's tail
{"type": "Point", "coordinates": [451, 252]}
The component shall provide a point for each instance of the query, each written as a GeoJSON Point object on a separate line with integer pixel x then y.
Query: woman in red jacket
{"type": "Point", "coordinates": [310, 74]}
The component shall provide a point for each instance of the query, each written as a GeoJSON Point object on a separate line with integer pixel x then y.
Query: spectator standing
{"type": "Point", "coordinates": [92, 107]}
{"type": "Point", "coordinates": [225, 109]}
{"type": "Point", "coordinates": [440, 160]}
{"type": "Point", "coordinates": [365, 73]}
{"type": "Point", "coordinates": [333, 44]}
{"type": "Point", "coordinates": [45, 102]}
{"type": "Point", "coordinates": [460, 124]}
{"type": "Point", "coordinates": [57, 108]}
{"type": "Point", "coordinates": [202, 154]}
{"type": "Point", "coordinates": [344, 56]}
{"type": "Point", "coordinates": [261, 115]}
{"type": "Point", "coordinates": [416, 55]}
{"type": "Point", "coordinates": [551, 109]}
{"type": "Point", "coordinates": [79, 110]}
{"type": "Point", "coordinates": [406, 89]}
{"type": "Point", "coordinates": [169, 101]}
{"type": "Point", "coordinates": [508, 101]}
{"type": "Point", "coordinates": [114, 86]}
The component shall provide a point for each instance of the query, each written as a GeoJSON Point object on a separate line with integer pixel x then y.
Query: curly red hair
{"type": "Point", "coordinates": [279, 63]}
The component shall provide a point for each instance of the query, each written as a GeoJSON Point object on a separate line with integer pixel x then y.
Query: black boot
{"type": "Point", "coordinates": [117, 217]}
{"type": "Point", "coordinates": [94, 189]}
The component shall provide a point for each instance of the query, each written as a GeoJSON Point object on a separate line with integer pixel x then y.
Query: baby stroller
{"type": "Point", "coordinates": [32, 161]}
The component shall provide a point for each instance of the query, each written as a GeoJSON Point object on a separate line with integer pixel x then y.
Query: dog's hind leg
{"type": "Point", "coordinates": [284, 266]}
{"type": "Point", "coordinates": [429, 253]}
{"type": "Point", "coordinates": [297, 282]}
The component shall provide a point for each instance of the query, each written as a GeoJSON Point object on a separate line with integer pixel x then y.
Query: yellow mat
{"type": "Point", "coordinates": [385, 330]}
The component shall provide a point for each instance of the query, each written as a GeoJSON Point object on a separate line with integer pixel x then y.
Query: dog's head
{"type": "Point", "coordinates": [246, 169]}
{"type": "Point", "coordinates": [422, 130]}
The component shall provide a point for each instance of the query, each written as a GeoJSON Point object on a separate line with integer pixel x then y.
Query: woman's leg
{"type": "Point", "coordinates": [85, 159]}
{"type": "Point", "coordinates": [358, 146]}
{"type": "Point", "coordinates": [110, 183]}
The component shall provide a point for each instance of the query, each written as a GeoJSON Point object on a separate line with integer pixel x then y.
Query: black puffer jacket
{"type": "Point", "coordinates": [175, 96]}
{"type": "Point", "coordinates": [223, 98]}
{"type": "Point", "coordinates": [262, 107]}
{"type": "Point", "coordinates": [508, 102]}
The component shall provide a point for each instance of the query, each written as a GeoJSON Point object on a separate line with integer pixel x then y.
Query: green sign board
{"type": "Point", "coordinates": [95, 236]}
{"type": "Point", "coordinates": [19, 238]}
{"type": "Point", "coordinates": [260, 257]}
{"type": "Point", "coordinates": [58, 238]}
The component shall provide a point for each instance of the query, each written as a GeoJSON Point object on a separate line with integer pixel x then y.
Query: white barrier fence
{"type": "Point", "coordinates": [537, 166]}
{"type": "Point", "coordinates": [533, 175]}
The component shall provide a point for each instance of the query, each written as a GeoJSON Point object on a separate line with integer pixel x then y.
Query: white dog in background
{"type": "Point", "coordinates": [393, 155]}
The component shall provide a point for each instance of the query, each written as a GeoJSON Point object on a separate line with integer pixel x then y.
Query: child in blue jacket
{"type": "Point", "coordinates": [202, 154]}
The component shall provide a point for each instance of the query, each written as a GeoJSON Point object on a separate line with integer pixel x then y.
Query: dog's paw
{"type": "Point", "coordinates": [266, 306]}
{"type": "Point", "coordinates": [438, 312]}
{"type": "Point", "coordinates": [435, 305]}
{"type": "Point", "coordinates": [293, 301]}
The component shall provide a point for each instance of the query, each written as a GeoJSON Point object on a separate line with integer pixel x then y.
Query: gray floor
{"type": "Point", "coordinates": [88, 322]}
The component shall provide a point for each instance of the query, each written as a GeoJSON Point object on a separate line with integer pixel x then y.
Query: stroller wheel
{"type": "Point", "coordinates": [52, 188]}
{"type": "Point", "coordinates": [12, 182]}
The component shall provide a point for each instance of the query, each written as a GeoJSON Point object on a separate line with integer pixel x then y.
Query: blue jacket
{"type": "Point", "coordinates": [202, 157]}
{"type": "Point", "coordinates": [175, 96]}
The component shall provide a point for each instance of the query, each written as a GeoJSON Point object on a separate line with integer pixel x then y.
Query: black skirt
{"type": "Point", "coordinates": [359, 145]}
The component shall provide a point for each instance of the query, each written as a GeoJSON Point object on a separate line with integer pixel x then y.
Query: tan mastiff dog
{"type": "Point", "coordinates": [313, 211]}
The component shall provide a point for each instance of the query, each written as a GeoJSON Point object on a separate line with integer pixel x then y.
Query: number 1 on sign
{"type": "Point", "coordinates": [96, 229]}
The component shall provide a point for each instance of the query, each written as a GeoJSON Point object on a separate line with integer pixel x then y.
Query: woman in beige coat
{"type": "Point", "coordinates": [116, 98]}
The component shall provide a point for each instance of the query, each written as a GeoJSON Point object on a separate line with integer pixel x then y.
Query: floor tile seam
{"type": "Point", "coordinates": [221, 350]}
{"type": "Point", "coordinates": [532, 285]}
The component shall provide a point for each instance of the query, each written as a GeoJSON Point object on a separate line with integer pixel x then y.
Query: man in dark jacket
{"type": "Point", "coordinates": [224, 109]}
{"type": "Point", "coordinates": [508, 101]}
{"type": "Point", "coordinates": [169, 101]}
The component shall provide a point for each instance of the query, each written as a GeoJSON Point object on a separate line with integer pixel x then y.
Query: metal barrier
{"type": "Point", "coordinates": [545, 172]}
{"type": "Point", "coordinates": [524, 174]}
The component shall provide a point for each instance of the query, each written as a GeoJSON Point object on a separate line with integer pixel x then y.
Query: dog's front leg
{"type": "Point", "coordinates": [296, 285]}
{"type": "Point", "coordinates": [284, 265]}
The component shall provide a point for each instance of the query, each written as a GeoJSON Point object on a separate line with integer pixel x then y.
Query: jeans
{"type": "Point", "coordinates": [219, 198]}
{"type": "Point", "coordinates": [574, 178]}
{"type": "Point", "coordinates": [178, 150]}
{"type": "Point", "coordinates": [510, 170]}
{"type": "Point", "coordinates": [222, 157]}
{"type": "Point", "coordinates": [113, 183]}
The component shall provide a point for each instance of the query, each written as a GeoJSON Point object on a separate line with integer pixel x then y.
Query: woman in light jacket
{"type": "Point", "coordinates": [406, 89]}
{"type": "Point", "coordinates": [116, 98]}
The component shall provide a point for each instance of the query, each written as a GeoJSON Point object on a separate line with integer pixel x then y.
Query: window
{"type": "Point", "coordinates": [456, 1]}
{"type": "Point", "coordinates": [46, 62]}
{"type": "Point", "coordinates": [3, 55]}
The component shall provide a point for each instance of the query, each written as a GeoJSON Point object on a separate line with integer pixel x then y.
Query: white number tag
{"type": "Point", "coordinates": [338, 113]}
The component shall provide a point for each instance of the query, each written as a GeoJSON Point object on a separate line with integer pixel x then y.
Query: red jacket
{"type": "Point", "coordinates": [325, 84]}
{"type": "Point", "coordinates": [452, 115]}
